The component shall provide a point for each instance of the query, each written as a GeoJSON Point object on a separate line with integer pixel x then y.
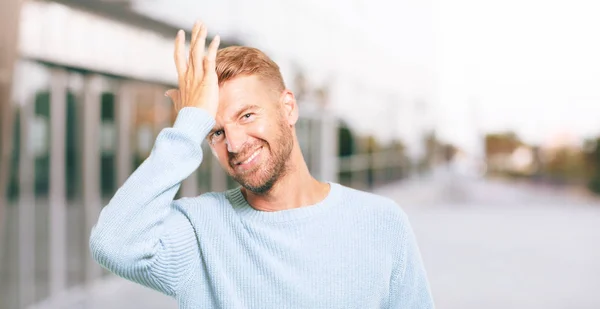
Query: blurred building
{"type": "Point", "coordinates": [82, 99]}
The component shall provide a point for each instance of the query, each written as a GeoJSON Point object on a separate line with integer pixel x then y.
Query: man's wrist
{"type": "Point", "coordinates": [195, 121]}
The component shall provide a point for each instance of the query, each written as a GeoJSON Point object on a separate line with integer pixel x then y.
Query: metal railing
{"type": "Point", "coordinates": [366, 171]}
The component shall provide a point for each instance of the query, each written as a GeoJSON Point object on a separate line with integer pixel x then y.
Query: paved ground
{"type": "Point", "coordinates": [485, 245]}
{"type": "Point", "coordinates": [495, 245]}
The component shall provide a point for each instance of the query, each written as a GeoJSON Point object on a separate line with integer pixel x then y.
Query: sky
{"type": "Point", "coordinates": [528, 66]}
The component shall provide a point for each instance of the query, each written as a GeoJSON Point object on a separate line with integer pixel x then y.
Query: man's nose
{"type": "Point", "coordinates": [235, 139]}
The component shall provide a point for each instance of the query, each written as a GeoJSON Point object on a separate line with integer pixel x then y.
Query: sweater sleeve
{"type": "Point", "coordinates": [140, 235]}
{"type": "Point", "coordinates": [409, 284]}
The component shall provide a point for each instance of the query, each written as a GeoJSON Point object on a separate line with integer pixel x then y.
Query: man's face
{"type": "Point", "coordinates": [253, 137]}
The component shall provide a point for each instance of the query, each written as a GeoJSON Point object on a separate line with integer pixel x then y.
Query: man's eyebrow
{"type": "Point", "coordinates": [239, 112]}
{"type": "Point", "coordinates": [246, 108]}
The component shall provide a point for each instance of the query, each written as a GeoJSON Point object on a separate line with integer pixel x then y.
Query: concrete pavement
{"type": "Point", "coordinates": [495, 245]}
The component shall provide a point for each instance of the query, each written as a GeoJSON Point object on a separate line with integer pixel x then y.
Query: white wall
{"type": "Point", "coordinates": [57, 33]}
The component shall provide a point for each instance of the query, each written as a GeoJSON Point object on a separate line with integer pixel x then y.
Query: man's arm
{"type": "Point", "coordinates": [409, 285]}
{"type": "Point", "coordinates": [140, 234]}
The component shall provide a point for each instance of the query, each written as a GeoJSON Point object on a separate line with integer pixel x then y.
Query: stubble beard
{"type": "Point", "coordinates": [262, 180]}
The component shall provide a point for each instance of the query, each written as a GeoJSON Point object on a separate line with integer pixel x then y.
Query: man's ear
{"type": "Point", "coordinates": [290, 107]}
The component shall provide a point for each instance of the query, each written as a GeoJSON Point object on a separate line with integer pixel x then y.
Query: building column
{"type": "Point", "coordinates": [125, 104]}
{"type": "Point", "coordinates": [9, 22]}
{"type": "Point", "coordinates": [26, 212]}
{"type": "Point", "coordinates": [57, 192]}
{"type": "Point", "coordinates": [91, 164]}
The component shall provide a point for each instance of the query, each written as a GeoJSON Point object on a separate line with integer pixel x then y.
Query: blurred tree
{"type": "Point", "coordinates": [322, 96]}
{"type": "Point", "coordinates": [449, 151]}
{"type": "Point", "coordinates": [566, 164]}
{"type": "Point", "coordinates": [372, 145]}
{"type": "Point", "coordinates": [592, 148]}
{"type": "Point", "coordinates": [499, 148]}
{"type": "Point", "coordinates": [398, 147]}
{"type": "Point", "coordinates": [501, 143]}
{"type": "Point", "coordinates": [436, 151]}
{"type": "Point", "coordinates": [432, 147]}
{"type": "Point", "coordinates": [346, 144]}
{"type": "Point", "coordinates": [301, 86]}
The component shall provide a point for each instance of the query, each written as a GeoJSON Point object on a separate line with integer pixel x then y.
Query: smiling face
{"type": "Point", "coordinates": [253, 136]}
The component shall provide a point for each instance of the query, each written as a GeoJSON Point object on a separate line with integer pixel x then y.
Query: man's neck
{"type": "Point", "coordinates": [296, 189]}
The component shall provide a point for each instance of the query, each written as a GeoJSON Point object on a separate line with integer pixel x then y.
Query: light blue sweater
{"type": "Point", "coordinates": [352, 250]}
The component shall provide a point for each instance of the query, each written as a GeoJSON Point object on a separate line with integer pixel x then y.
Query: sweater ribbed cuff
{"type": "Point", "coordinates": [196, 122]}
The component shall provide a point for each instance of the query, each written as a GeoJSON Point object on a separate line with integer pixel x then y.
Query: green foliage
{"type": "Point", "coordinates": [593, 159]}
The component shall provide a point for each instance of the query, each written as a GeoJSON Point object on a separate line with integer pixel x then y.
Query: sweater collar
{"type": "Point", "coordinates": [244, 210]}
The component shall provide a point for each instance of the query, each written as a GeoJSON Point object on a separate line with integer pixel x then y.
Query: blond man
{"type": "Point", "coordinates": [283, 239]}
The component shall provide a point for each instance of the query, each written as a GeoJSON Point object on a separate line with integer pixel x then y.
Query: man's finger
{"type": "Point", "coordinates": [180, 60]}
{"type": "Point", "coordinates": [195, 31]}
{"type": "Point", "coordinates": [194, 38]}
{"type": "Point", "coordinates": [198, 52]}
{"type": "Point", "coordinates": [211, 58]}
{"type": "Point", "coordinates": [174, 95]}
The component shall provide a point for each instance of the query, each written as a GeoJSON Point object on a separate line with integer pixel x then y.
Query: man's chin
{"type": "Point", "coordinates": [256, 186]}
{"type": "Point", "coordinates": [251, 183]}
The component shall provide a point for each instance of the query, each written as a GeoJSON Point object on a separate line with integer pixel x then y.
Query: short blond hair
{"type": "Point", "coordinates": [234, 61]}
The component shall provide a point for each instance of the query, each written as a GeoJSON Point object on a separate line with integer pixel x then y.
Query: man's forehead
{"type": "Point", "coordinates": [231, 108]}
{"type": "Point", "coordinates": [234, 100]}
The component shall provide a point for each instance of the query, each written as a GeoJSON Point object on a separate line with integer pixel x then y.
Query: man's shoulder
{"type": "Point", "coordinates": [361, 195]}
{"type": "Point", "coordinates": [379, 214]}
{"type": "Point", "coordinates": [370, 202]}
{"type": "Point", "coordinates": [205, 202]}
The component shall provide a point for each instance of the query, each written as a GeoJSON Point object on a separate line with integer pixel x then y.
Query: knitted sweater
{"type": "Point", "coordinates": [351, 250]}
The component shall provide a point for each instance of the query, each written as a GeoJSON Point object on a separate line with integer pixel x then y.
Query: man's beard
{"type": "Point", "coordinates": [261, 180]}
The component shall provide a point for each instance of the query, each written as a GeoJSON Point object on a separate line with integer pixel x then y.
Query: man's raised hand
{"type": "Point", "coordinates": [198, 83]}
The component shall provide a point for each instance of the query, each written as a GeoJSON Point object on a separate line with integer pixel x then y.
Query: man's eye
{"type": "Point", "coordinates": [217, 137]}
{"type": "Point", "coordinates": [248, 115]}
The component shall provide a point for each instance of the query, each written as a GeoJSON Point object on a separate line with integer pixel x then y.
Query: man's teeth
{"type": "Point", "coordinates": [251, 157]}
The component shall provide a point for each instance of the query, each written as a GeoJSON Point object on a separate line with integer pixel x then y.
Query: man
{"type": "Point", "coordinates": [281, 240]}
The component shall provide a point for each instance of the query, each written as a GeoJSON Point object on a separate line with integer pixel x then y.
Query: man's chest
{"type": "Point", "coordinates": [317, 269]}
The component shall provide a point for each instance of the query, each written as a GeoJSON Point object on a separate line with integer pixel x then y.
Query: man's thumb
{"type": "Point", "coordinates": [174, 95]}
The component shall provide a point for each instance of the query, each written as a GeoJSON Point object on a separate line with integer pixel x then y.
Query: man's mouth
{"type": "Point", "coordinates": [250, 158]}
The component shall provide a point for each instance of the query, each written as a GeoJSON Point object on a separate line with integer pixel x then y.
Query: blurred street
{"type": "Point", "coordinates": [495, 245]}
{"type": "Point", "coordinates": [486, 244]}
